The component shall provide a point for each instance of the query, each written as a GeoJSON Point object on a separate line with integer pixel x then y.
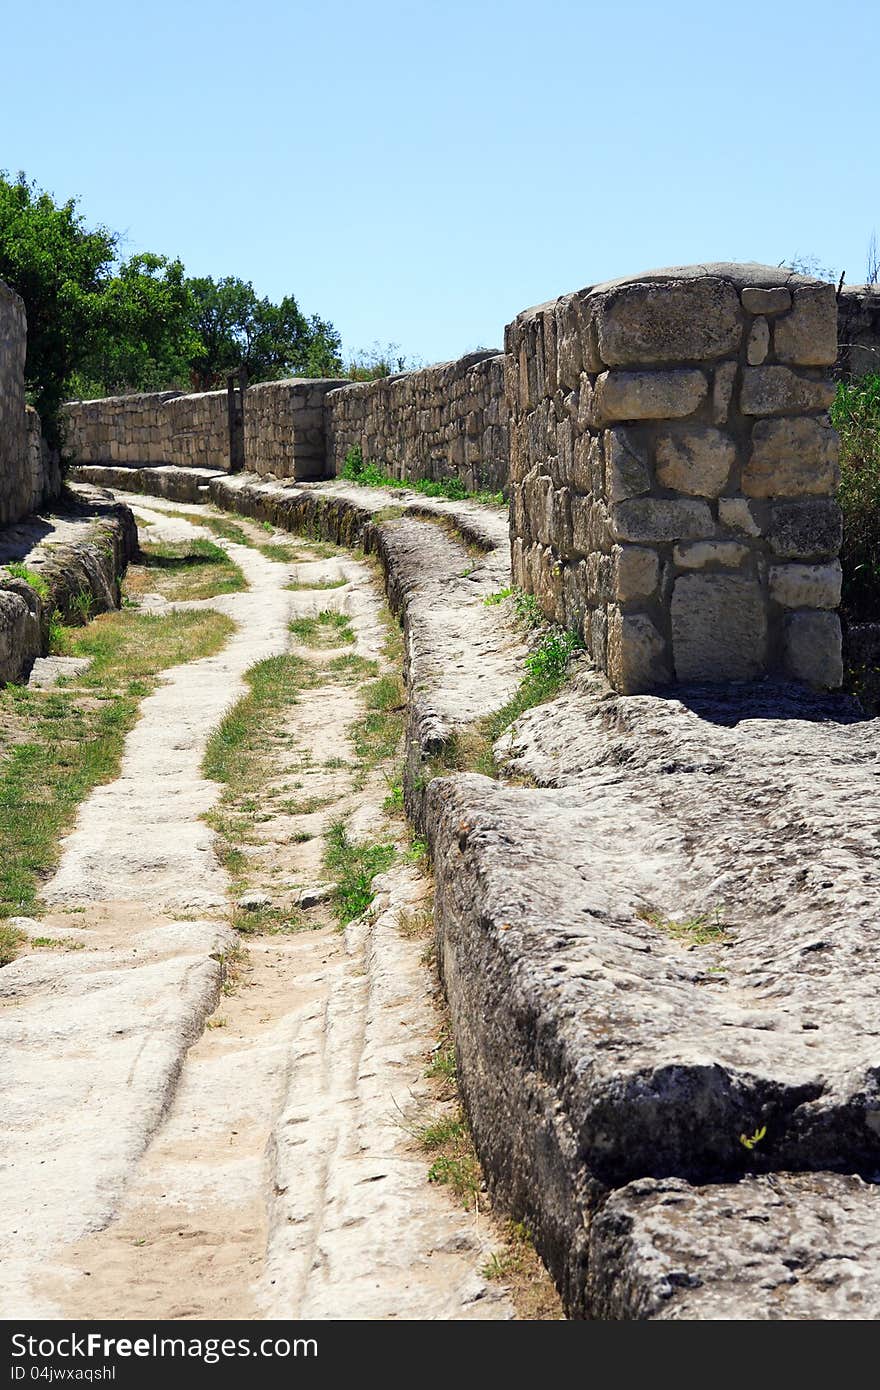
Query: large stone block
{"type": "Point", "coordinates": [779, 391]}
{"type": "Point", "coordinates": [736, 514]}
{"type": "Point", "coordinates": [637, 657]}
{"type": "Point", "coordinates": [671, 321]}
{"type": "Point", "coordinates": [808, 334]}
{"type": "Point", "coordinates": [761, 301]}
{"type": "Point", "coordinates": [759, 342]}
{"type": "Point", "coordinates": [719, 628]}
{"type": "Point", "coordinates": [636, 572]}
{"type": "Point", "coordinates": [806, 586]}
{"type": "Point", "coordinates": [695, 459]}
{"type": "Point", "coordinates": [791, 456]}
{"type": "Point", "coordinates": [805, 530]}
{"type": "Point", "coordinates": [695, 555]}
{"type": "Point", "coordinates": [662, 395]}
{"type": "Point", "coordinates": [628, 469]}
{"type": "Point", "coordinates": [661, 519]}
{"type": "Point", "coordinates": [813, 648]}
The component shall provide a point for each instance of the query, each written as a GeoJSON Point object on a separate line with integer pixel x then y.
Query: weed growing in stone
{"type": "Point", "coordinates": [79, 607]}
{"type": "Point", "coordinates": [356, 469]}
{"type": "Point", "coordinates": [518, 1265]}
{"type": "Point", "coordinates": [354, 864]}
{"type": "Point", "coordinates": [394, 800]}
{"type": "Point", "coordinates": [704, 929]}
{"type": "Point", "coordinates": [10, 941]}
{"type": "Point", "coordinates": [233, 750]}
{"type": "Point", "coordinates": [454, 1163]}
{"type": "Point", "coordinates": [525, 606]}
{"type": "Point", "coordinates": [749, 1141]}
{"type": "Point", "coordinates": [377, 736]}
{"type": "Point", "coordinates": [36, 581]}
{"type": "Point", "coordinates": [328, 629]}
{"type": "Point", "coordinates": [498, 597]}
{"type": "Point", "coordinates": [546, 671]}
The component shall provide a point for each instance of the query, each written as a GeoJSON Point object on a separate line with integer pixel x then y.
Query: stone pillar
{"type": "Point", "coordinates": [284, 428]}
{"type": "Point", "coordinates": [673, 474]}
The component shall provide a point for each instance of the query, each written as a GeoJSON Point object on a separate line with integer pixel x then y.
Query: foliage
{"type": "Point", "coordinates": [60, 268]}
{"type": "Point", "coordinates": [234, 328]}
{"type": "Point", "coordinates": [703, 929]}
{"type": "Point", "coordinates": [355, 469]}
{"type": "Point", "coordinates": [99, 324]}
{"type": "Point", "coordinates": [371, 364]}
{"type": "Point", "coordinates": [546, 672]}
{"type": "Point", "coordinates": [354, 864]}
{"type": "Point", "coordinates": [36, 581]}
{"type": "Point", "coordinates": [143, 337]}
{"type": "Point", "coordinates": [455, 1163]}
{"type": "Point", "coordinates": [749, 1141]}
{"type": "Point", "coordinates": [810, 265]}
{"type": "Point", "coordinates": [61, 743]}
{"type": "Point", "coordinates": [526, 608]}
{"type": "Point", "coordinates": [856, 416]}
{"type": "Point", "coordinates": [184, 570]}
{"type": "Point", "coordinates": [325, 629]}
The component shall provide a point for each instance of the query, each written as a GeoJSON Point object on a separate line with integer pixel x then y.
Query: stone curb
{"type": "Point", "coordinates": [91, 566]}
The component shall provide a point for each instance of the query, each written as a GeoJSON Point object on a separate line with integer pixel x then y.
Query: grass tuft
{"type": "Point", "coordinates": [354, 864]}
{"type": "Point", "coordinates": [356, 469]}
{"type": "Point", "coordinates": [62, 743]}
{"type": "Point", "coordinates": [184, 570]}
{"type": "Point", "coordinates": [36, 581]}
{"type": "Point", "coordinates": [327, 629]}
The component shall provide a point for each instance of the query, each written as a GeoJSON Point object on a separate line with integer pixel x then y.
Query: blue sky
{"type": "Point", "coordinates": [420, 172]}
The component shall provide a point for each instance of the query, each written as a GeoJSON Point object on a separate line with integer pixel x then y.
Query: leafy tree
{"type": "Point", "coordinates": [235, 329]}
{"type": "Point", "coordinates": [99, 325]}
{"type": "Point", "coordinates": [60, 269]}
{"type": "Point", "coordinates": [144, 337]}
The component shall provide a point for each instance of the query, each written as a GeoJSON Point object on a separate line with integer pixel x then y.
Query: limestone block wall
{"type": "Point", "coordinates": [29, 471]}
{"type": "Point", "coordinates": [160, 427]}
{"type": "Point", "coordinates": [858, 330]}
{"type": "Point", "coordinates": [284, 427]}
{"type": "Point", "coordinates": [673, 473]}
{"type": "Point", "coordinates": [446, 421]}
{"type": "Point", "coordinates": [13, 430]}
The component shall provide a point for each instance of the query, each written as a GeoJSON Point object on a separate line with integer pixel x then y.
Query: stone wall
{"type": "Point", "coordinates": [29, 471]}
{"type": "Point", "coordinates": [673, 473]}
{"type": "Point", "coordinates": [14, 470]}
{"type": "Point", "coordinates": [447, 421]}
{"type": "Point", "coordinates": [858, 330]}
{"type": "Point", "coordinates": [161, 427]}
{"type": "Point", "coordinates": [284, 427]}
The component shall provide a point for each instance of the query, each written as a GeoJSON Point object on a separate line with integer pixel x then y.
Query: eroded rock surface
{"type": "Point", "coordinates": [598, 1043]}
{"type": "Point", "coordinates": [786, 1246]}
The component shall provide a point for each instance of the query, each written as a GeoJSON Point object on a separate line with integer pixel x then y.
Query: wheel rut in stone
{"type": "Point", "coordinates": [225, 1127]}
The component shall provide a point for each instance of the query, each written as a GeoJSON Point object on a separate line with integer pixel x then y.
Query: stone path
{"type": "Point", "coordinates": [262, 1166]}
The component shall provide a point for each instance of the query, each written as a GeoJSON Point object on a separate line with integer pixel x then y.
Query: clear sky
{"type": "Point", "coordinates": [419, 172]}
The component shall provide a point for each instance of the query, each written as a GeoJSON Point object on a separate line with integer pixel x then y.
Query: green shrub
{"type": "Point", "coordinates": [356, 469]}
{"type": "Point", "coordinates": [353, 465]}
{"type": "Point", "coordinates": [36, 581]}
{"type": "Point", "coordinates": [856, 416]}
